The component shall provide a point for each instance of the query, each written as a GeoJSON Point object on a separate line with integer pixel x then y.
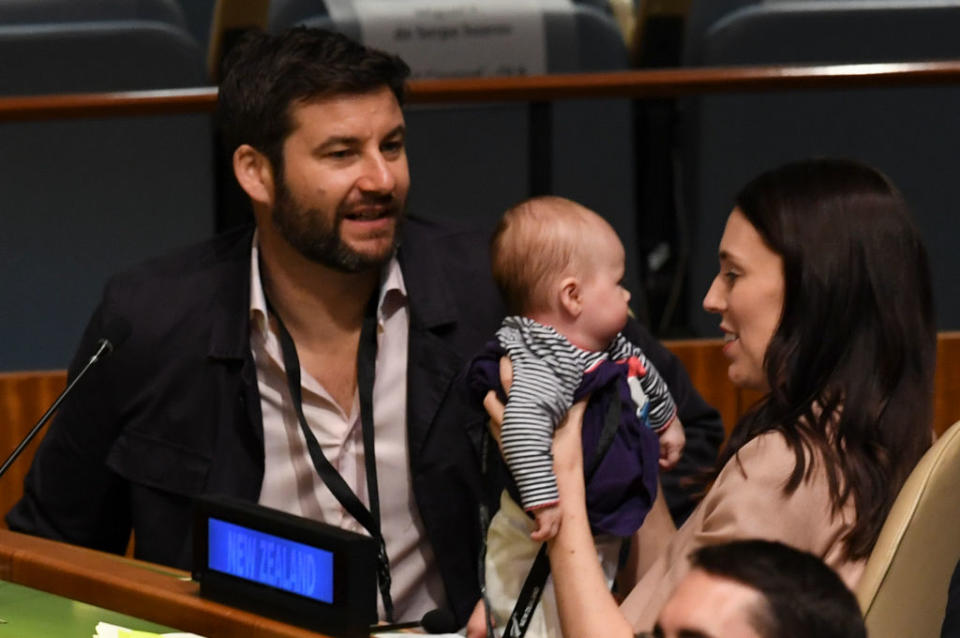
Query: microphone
{"type": "Point", "coordinates": [435, 621]}
{"type": "Point", "coordinates": [117, 330]}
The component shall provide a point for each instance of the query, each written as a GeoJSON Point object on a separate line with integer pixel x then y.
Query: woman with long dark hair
{"type": "Point", "coordinates": [825, 303]}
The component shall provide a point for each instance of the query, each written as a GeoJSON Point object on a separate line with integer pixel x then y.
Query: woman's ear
{"type": "Point", "coordinates": [571, 297]}
{"type": "Point", "coordinates": [254, 173]}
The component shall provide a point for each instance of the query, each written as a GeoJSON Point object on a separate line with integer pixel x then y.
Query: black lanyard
{"type": "Point", "coordinates": [366, 368]}
{"type": "Point", "coordinates": [533, 586]}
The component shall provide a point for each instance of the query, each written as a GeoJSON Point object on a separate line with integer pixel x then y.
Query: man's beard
{"type": "Point", "coordinates": [318, 238]}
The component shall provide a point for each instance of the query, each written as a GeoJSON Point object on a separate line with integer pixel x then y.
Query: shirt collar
{"type": "Point", "coordinates": [393, 291]}
{"type": "Point", "coordinates": [258, 300]}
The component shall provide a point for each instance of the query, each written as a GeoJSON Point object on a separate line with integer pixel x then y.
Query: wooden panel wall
{"type": "Point", "coordinates": [946, 388]}
{"type": "Point", "coordinates": [25, 396]}
{"type": "Point", "coordinates": [707, 366]}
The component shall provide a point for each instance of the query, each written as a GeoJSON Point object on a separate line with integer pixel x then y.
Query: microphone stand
{"type": "Point", "coordinates": [435, 621]}
{"type": "Point", "coordinates": [104, 348]}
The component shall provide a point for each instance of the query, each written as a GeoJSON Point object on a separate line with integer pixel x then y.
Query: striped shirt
{"type": "Point", "coordinates": [547, 369]}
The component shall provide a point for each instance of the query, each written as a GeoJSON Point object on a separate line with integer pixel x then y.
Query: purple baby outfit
{"type": "Point", "coordinates": [624, 485]}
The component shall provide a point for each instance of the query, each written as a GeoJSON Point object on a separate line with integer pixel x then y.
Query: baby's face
{"type": "Point", "coordinates": [604, 297]}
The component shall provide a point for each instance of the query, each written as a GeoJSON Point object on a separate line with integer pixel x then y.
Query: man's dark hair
{"type": "Point", "coordinates": [802, 596]}
{"type": "Point", "coordinates": [265, 74]}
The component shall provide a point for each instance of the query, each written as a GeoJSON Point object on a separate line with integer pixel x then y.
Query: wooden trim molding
{"type": "Point", "coordinates": [652, 83]}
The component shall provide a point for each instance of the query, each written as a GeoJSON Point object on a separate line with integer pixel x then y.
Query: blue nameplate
{"type": "Point", "coordinates": [285, 566]}
{"type": "Point", "coordinates": [270, 560]}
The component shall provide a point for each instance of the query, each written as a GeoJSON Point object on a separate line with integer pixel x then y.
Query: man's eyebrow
{"type": "Point", "coordinates": [692, 633]}
{"type": "Point", "coordinates": [348, 140]}
{"type": "Point", "coordinates": [399, 129]}
{"type": "Point", "coordinates": [336, 140]}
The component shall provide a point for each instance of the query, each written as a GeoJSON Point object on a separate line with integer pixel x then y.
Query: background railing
{"type": "Point", "coordinates": [657, 83]}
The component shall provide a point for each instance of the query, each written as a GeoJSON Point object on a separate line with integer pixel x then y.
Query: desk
{"type": "Point", "coordinates": [150, 592]}
{"type": "Point", "coordinates": [31, 613]}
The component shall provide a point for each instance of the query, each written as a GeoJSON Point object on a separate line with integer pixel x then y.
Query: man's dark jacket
{"type": "Point", "coordinates": [175, 411]}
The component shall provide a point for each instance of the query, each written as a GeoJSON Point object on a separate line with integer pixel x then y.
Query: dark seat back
{"type": "Point", "coordinates": [85, 197]}
{"type": "Point", "coordinates": [909, 133]}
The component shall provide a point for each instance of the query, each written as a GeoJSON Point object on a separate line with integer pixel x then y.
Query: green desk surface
{"type": "Point", "coordinates": [31, 613]}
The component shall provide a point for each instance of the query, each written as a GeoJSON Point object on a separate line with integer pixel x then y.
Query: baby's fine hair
{"type": "Point", "coordinates": [537, 242]}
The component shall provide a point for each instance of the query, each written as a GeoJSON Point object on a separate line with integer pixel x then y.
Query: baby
{"type": "Point", "coordinates": [560, 268]}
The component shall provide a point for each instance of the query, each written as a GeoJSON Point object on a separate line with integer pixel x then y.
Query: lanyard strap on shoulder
{"type": "Point", "coordinates": [366, 370]}
{"type": "Point", "coordinates": [533, 585]}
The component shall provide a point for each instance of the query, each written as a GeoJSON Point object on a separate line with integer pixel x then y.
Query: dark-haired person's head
{"type": "Point", "coordinates": [759, 589]}
{"type": "Point", "coordinates": [314, 124]}
{"type": "Point", "coordinates": [266, 74]}
{"type": "Point", "coordinates": [825, 299]}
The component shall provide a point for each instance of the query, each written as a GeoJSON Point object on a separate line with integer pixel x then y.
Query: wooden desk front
{"type": "Point", "coordinates": [158, 594]}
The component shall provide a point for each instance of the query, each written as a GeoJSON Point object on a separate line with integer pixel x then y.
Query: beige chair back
{"type": "Point", "coordinates": [903, 591]}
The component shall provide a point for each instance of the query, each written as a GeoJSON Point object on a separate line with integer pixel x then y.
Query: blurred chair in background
{"type": "Point", "coordinates": [909, 133]}
{"type": "Point", "coordinates": [59, 11]}
{"type": "Point", "coordinates": [85, 197]}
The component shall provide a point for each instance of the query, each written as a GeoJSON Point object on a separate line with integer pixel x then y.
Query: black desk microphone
{"type": "Point", "coordinates": [117, 332]}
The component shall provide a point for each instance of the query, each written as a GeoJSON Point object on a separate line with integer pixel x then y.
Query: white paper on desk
{"type": "Point", "coordinates": [106, 630]}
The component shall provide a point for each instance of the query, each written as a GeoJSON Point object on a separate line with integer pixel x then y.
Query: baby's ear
{"type": "Point", "coordinates": [571, 299]}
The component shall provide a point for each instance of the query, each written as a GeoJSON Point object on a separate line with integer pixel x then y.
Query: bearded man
{"type": "Point", "coordinates": [307, 364]}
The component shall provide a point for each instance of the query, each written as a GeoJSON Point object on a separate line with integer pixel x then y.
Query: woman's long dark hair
{"type": "Point", "coordinates": [850, 367]}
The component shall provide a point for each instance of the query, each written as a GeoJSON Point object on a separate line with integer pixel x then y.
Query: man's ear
{"type": "Point", "coordinates": [254, 173]}
{"type": "Point", "coordinates": [571, 296]}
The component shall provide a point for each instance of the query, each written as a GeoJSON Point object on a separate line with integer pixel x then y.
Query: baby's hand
{"type": "Point", "coordinates": [672, 440]}
{"type": "Point", "coordinates": [547, 523]}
